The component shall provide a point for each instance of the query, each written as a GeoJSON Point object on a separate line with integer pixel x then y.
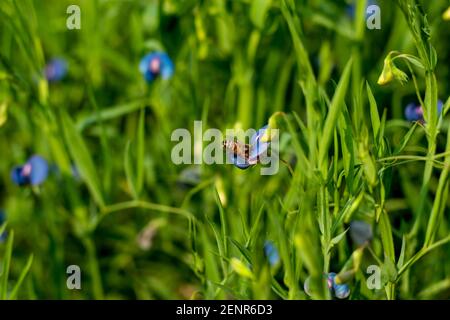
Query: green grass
{"type": "Point", "coordinates": [350, 153]}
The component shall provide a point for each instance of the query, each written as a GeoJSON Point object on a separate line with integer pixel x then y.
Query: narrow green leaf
{"type": "Point", "coordinates": [255, 226]}
{"type": "Point", "coordinates": [304, 65]}
{"type": "Point", "coordinates": [22, 276]}
{"type": "Point", "coordinates": [223, 223]}
{"type": "Point", "coordinates": [242, 250]}
{"type": "Point", "coordinates": [374, 115]}
{"type": "Point", "coordinates": [406, 139]}
{"type": "Point", "coordinates": [401, 258]}
{"type": "Point", "coordinates": [81, 156]}
{"type": "Point", "coordinates": [6, 264]}
{"type": "Point", "coordinates": [109, 113]}
{"type": "Point", "coordinates": [129, 170]}
{"type": "Point", "coordinates": [334, 111]}
{"type": "Point", "coordinates": [258, 12]}
{"type": "Point", "coordinates": [140, 155]}
{"type": "Point", "coordinates": [337, 239]}
{"type": "Point", "coordinates": [386, 235]}
{"type": "Point", "coordinates": [3, 228]}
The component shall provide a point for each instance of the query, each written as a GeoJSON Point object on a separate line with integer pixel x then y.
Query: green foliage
{"type": "Point", "coordinates": [141, 227]}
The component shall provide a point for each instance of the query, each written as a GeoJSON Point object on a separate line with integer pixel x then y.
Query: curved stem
{"type": "Point", "coordinates": [144, 205]}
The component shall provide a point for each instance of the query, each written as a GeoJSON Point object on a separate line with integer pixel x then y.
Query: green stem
{"type": "Point", "coordinates": [97, 287]}
{"type": "Point", "coordinates": [144, 205]}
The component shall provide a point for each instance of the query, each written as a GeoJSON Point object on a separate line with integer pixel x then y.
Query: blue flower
{"type": "Point", "coordinates": [414, 112]}
{"type": "Point", "coordinates": [257, 150]}
{"type": "Point", "coordinates": [33, 172]}
{"type": "Point", "coordinates": [271, 253]}
{"type": "Point", "coordinates": [2, 221]}
{"type": "Point", "coordinates": [350, 9]}
{"type": "Point", "coordinates": [55, 70]}
{"type": "Point", "coordinates": [156, 64]}
{"type": "Point", "coordinates": [360, 232]}
{"type": "Point", "coordinates": [340, 291]}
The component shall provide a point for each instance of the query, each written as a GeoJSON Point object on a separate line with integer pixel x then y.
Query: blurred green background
{"type": "Point", "coordinates": [141, 227]}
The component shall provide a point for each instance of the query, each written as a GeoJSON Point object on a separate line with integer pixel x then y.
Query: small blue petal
{"type": "Point", "coordinates": [413, 112]}
{"type": "Point", "coordinates": [39, 170]}
{"type": "Point", "coordinates": [360, 232]}
{"type": "Point", "coordinates": [341, 291]}
{"type": "Point", "coordinates": [258, 148]}
{"type": "Point", "coordinates": [56, 69]}
{"type": "Point", "coordinates": [351, 8]}
{"type": "Point", "coordinates": [440, 106]}
{"type": "Point", "coordinates": [330, 280]}
{"type": "Point", "coordinates": [167, 67]}
{"type": "Point", "coordinates": [145, 61]}
{"type": "Point", "coordinates": [163, 66]}
{"type": "Point", "coordinates": [239, 162]}
{"type": "Point", "coordinates": [17, 177]}
{"type": "Point", "coordinates": [271, 253]}
{"type": "Point", "coordinates": [258, 135]}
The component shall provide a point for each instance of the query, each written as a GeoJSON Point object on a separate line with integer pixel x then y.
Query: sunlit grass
{"type": "Point", "coordinates": [309, 70]}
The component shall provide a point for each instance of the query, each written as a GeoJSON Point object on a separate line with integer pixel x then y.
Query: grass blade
{"type": "Point", "coordinates": [22, 276]}
{"type": "Point", "coordinates": [6, 264]}
{"type": "Point", "coordinates": [81, 156]}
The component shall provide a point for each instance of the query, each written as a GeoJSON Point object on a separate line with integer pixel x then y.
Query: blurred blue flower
{"type": "Point", "coordinates": [75, 172]}
{"type": "Point", "coordinates": [55, 70]}
{"type": "Point", "coordinates": [271, 253]}
{"type": "Point", "coordinates": [414, 112]}
{"type": "Point", "coordinates": [340, 291]}
{"type": "Point", "coordinates": [156, 64]}
{"type": "Point", "coordinates": [350, 9]}
{"type": "Point", "coordinates": [257, 149]}
{"type": "Point", "coordinates": [189, 177]}
{"type": "Point", "coordinates": [2, 221]}
{"type": "Point", "coordinates": [33, 172]}
{"type": "Point", "coordinates": [360, 232]}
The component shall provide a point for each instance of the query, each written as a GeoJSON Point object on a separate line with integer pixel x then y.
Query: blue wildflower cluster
{"type": "Point", "coordinates": [340, 291]}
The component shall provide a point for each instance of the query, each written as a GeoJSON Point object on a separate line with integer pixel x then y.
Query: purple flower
{"type": "Point", "coordinates": [414, 112]}
{"type": "Point", "coordinates": [255, 150]}
{"type": "Point", "coordinates": [55, 70]}
{"type": "Point", "coordinates": [33, 172]}
{"type": "Point", "coordinates": [271, 253]}
{"type": "Point", "coordinates": [156, 64]}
